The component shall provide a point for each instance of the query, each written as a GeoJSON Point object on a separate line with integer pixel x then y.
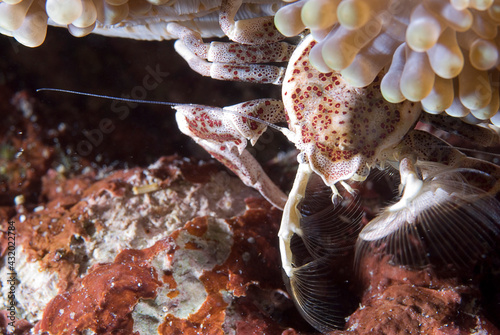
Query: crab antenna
{"type": "Point", "coordinates": [165, 103]}
{"type": "Point", "coordinates": [107, 97]}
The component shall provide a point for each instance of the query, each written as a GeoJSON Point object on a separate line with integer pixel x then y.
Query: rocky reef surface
{"type": "Point", "coordinates": [121, 229]}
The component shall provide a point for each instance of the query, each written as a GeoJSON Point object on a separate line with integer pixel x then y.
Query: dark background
{"type": "Point", "coordinates": [114, 66]}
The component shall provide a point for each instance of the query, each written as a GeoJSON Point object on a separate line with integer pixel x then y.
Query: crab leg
{"type": "Point", "coordinates": [251, 31]}
{"type": "Point", "coordinates": [476, 134]}
{"type": "Point", "coordinates": [490, 185]}
{"type": "Point", "coordinates": [224, 132]}
{"type": "Point", "coordinates": [231, 61]}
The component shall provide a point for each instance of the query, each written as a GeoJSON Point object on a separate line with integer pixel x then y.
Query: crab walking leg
{"type": "Point", "coordinates": [231, 61]}
{"type": "Point", "coordinates": [489, 182]}
{"type": "Point", "coordinates": [228, 52]}
{"type": "Point", "coordinates": [224, 134]}
{"type": "Point", "coordinates": [256, 73]}
{"type": "Point", "coordinates": [290, 222]}
{"type": "Point", "coordinates": [258, 30]}
{"type": "Point", "coordinates": [483, 136]}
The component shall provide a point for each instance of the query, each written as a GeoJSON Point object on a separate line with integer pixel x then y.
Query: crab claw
{"type": "Point", "coordinates": [224, 133]}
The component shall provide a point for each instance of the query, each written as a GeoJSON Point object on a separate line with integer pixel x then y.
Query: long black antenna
{"type": "Point", "coordinates": [109, 97]}
{"type": "Point", "coordinates": [283, 130]}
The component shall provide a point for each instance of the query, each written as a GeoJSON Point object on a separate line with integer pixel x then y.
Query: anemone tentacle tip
{"type": "Point", "coordinates": [455, 40]}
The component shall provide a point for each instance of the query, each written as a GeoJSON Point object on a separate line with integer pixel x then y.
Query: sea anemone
{"type": "Point", "coordinates": [443, 53]}
{"type": "Point", "coordinates": [27, 20]}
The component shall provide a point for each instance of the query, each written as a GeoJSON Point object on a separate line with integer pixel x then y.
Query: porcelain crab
{"type": "Point", "coordinates": [342, 133]}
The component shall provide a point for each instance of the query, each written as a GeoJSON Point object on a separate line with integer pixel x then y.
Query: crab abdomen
{"type": "Point", "coordinates": [342, 130]}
